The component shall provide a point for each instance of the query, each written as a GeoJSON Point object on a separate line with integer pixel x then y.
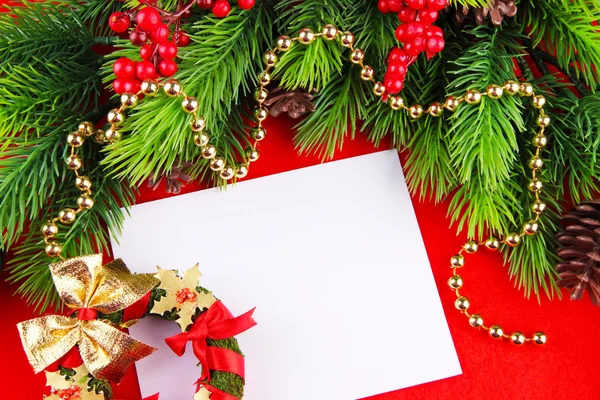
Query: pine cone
{"type": "Point", "coordinates": [174, 180]}
{"type": "Point", "coordinates": [580, 269]}
{"type": "Point", "coordinates": [295, 103]}
{"type": "Point", "coordinates": [495, 11]}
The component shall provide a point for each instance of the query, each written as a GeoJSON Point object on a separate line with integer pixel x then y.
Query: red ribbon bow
{"type": "Point", "coordinates": [216, 323]}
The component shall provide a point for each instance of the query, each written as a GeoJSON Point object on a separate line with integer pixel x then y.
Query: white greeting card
{"type": "Point", "coordinates": [332, 258]}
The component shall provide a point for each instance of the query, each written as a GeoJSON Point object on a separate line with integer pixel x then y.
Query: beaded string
{"type": "Point", "coordinates": [173, 88]}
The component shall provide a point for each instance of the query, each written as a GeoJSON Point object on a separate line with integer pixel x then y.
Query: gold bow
{"type": "Point", "coordinates": [83, 283]}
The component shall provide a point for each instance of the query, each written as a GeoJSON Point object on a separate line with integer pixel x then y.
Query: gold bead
{"type": "Point", "coordinates": [209, 151]}
{"type": "Point", "coordinates": [259, 133]}
{"type": "Point", "coordinates": [435, 110]}
{"type": "Point", "coordinates": [513, 240]}
{"type": "Point", "coordinates": [190, 104]}
{"type": "Point", "coordinates": [496, 332]}
{"type": "Point", "coordinates": [455, 282]}
{"type": "Point", "coordinates": [227, 173]}
{"type": "Point", "coordinates": [100, 137]}
{"type": "Point", "coordinates": [416, 111]}
{"type": "Point", "coordinates": [264, 78]}
{"type": "Point", "coordinates": [518, 338]}
{"type": "Point", "coordinates": [252, 154]}
{"type": "Point", "coordinates": [261, 95]}
{"type": "Point", "coordinates": [366, 73]}
{"type": "Point", "coordinates": [85, 201]}
{"type": "Point", "coordinates": [462, 303]}
{"type": "Point", "coordinates": [74, 162]}
{"type": "Point", "coordinates": [172, 88]}
{"type": "Point", "coordinates": [53, 249]}
{"type": "Point", "coordinates": [526, 89]}
{"type": "Point", "coordinates": [86, 128]}
{"type": "Point", "coordinates": [217, 163]}
{"type": "Point", "coordinates": [473, 96]}
{"type": "Point", "coordinates": [457, 261]}
{"type": "Point", "coordinates": [306, 36]}
{"type": "Point", "coordinates": [540, 140]}
{"type": "Point", "coordinates": [261, 113]}
{"type": "Point", "coordinates": [378, 89]}
{"type": "Point", "coordinates": [270, 58]}
{"type": "Point", "coordinates": [396, 102]}
{"type": "Point", "coordinates": [115, 117]}
{"type": "Point", "coordinates": [67, 216]}
{"type": "Point", "coordinates": [540, 338]}
{"type": "Point", "coordinates": [201, 139]}
{"type": "Point", "coordinates": [330, 32]}
{"type": "Point", "coordinates": [284, 43]}
{"type": "Point", "coordinates": [451, 104]}
{"type": "Point", "coordinates": [543, 121]}
{"type": "Point", "coordinates": [495, 91]}
{"type": "Point", "coordinates": [476, 321]}
{"type": "Point", "coordinates": [347, 39]}
{"type": "Point", "coordinates": [512, 87]}
{"type": "Point", "coordinates": [535, 185]}
{"type": "Point", "coordinates": [112, 135]}
{"type": "Point", "coordinates": [49, 229]}
{"type": "Point", "coordinates": [539, 101]}
{"type": "Point", "coordinates": [531, 228]}
{"type": "Point", "coordinates": [357, 56]}
{"type": "Point", "coordinates": [75, 139]}
{"type": "Point", "coordinates": [197, 124]}
{"type": "Point", "coordinates": [150, 87]}
{"type": "Point", "coordinates": [471, 247]}
{"type": "Point", "coordinates": [492, 243]}
{"type": "Point", "coordinates": [83, 183]}
{"type": "Point", "coordinates": [241, 171]}
{"type": "Point", "coordinates": [129, 100]}
{"type": "Point", "coordinates": [538, 207]}
{"type": "Point", "coordinates": [536, 162]}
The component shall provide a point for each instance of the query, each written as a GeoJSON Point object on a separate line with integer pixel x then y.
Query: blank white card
{"type": "Point", "coordinates": [333, 260]}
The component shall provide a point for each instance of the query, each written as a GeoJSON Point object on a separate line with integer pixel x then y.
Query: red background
{"type": "Point", "coordinates": [566, 368]}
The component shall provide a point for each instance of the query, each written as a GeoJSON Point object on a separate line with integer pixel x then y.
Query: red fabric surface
{"type": "Point", "coordinates": [566, 368]}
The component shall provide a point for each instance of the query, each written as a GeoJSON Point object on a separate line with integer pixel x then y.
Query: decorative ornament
{"type": "Point", "coordinates": [294, 103]}
{"type": "Point", "coordinates": [579, 270]}
{"type": "Point", "coordinates": [495, 11]}
{"type": "Point", "coordinates": [71, 387]}
{"type": "Point", "coordinates": [174, 180]}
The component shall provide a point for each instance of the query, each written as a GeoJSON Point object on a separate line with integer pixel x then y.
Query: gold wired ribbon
{"type": "Point", "coordinates": [88, 287]}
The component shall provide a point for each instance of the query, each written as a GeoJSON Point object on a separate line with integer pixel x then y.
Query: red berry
{"type": "Point", "coordinates": [416, 4]}
{"type": "Point", "coordinates": [221, 8]}
{"type": "Point", "coordinates": [147, 51]}
{"type": "Point", "coordinates": [427, 16]}
{"type": "Point", "coordinates": [382, 5]}
{"type": "Point", "coordinates": [147, 19]}
{"type": "Point", "coordinates": [167, 67]}
{"type": "Point", "coordinates": [435, 44]}
{"type": "Point", "coordinates": [119, 85]}
{"type": "Point", "coordinates": [437, 4]}
{"type": "Point", "coordinates": [397, 69]}
{"type": "Point", "coordinates": [138, 38]}
{"type": "Point", "coordinates": [246, 4]}
{"type": "Point", "coordinates": [145, 70]}
{"type": "Point", "coordinates": [415, 46]}
{"type": "Point", "coordinates": [160, 34]}
{"type": "Point", "coordinates": [394, 5]}
{"type": "Point", "coordinates": [119, 22]}
{"type": "Point", "coordinates": [124, 68]}
{"type": "Point", "coordinates": [393, 84]}
{"type": "Point", "coordinates": [433, 31]}
{"type": "Point", "coordinates": [414, 29]}
{"type": "Point", "coordinates": [205, 4]}
{"type": "Point", "coordinates": [132, 85]}
{"type": "Point", "coordinates": [407, 15]}
{"type": "Point", "coordinates": [182, 40]}
{"type": "Point", "coordinates": [167, 50]}
{"type": "Point", "coordinates": [401, 33]}
{"type": "Point", "coordinates": [397, 56]}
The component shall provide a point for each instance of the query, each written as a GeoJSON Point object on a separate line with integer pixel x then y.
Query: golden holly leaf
{"type": "Point", "coordinates": [81, 378]}
{"type": "Point", "coordinates": [57, 381]}
{"type": "Point", "coordinates": [169, 280]}
{"type": "Point", "coordinates": [202, 394]}
{"type": "Point", "coordinates": [186, 313]}
{"type": "Point", "coordinates": [205, 300]}
{"type": "Point", "coordinates": [191, 278]}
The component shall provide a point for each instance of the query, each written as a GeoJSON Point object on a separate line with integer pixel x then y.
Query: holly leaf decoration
{"type": "Point", "coordinates": [202, 394]}
{"type": "Point", "coordinates": [75, 386]}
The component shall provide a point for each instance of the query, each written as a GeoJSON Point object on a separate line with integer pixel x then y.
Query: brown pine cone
{"type": "Point", "coordinates": [295, 103]}
{"type": "Point", "coordinates": [495, 11]}
{"type": "Point", "coordinates": [174, 180]}
{"type": "Point", "coordinates": [580, 269]}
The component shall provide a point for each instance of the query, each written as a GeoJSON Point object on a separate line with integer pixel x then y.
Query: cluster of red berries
{"type": "Point", "coordinates": [71, 393]}
{"type": "Point", "coordinates": [221, 8]}
{"type": "Point", "coordinates": [415, 32]}
{"type": "Point", "coordinates": [185, 295]}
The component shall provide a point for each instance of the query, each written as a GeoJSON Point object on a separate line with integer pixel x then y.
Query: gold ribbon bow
{"type": "Point", "coordinates": [84, 284]}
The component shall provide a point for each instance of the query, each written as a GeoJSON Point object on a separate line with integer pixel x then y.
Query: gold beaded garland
{"type": "Point", "coordinates": [260, 95]}
{"type": "Point", "coordinates": [190, 104]}
{"type": "Point", "coordinates": [330, 32]}
{"type": "Point", "coordinates": [83, 183]}
{"type": "Point", "coordinates": [129, 100]}
{"type": "Point", "coordinates": [457, 261]}
{"type": "Point", "coordinates": [112, 135]}
{"type": "Point", "coordinates": [261, 114]}
{"type": "Point", "coordinates": [492, 243]}
{"type": "Point", "coordinates": [476, 321]}
{"type": "Point", "coordinates": [115, 117]}
{"type": "Point", "coordinates": [241, 171]}
{"type": "Point", "coordinates": [264, 78]}
{"type": "Point", "coordinates": [49, 229]}
{"type": "Point", "coordinates": [197, 124]}
{"type": "Point", "coordinates": [201, 139]}
{"type": "Point", "coordinates": [416, 111]}
{"type": "Point", "coordinates": [538, 206]}
{"type": "Point", "coordinates": [435, 110]}
{"type": "Point", "coordinates": [539, 102]}
{"type": "Point", "coordinates": [512, 87]}
{"type": "Point", "coordinates": [495, 91]}
{"type": "Point", "coordinates": [539, 338]}
{"type": "Point", "coordinates": [357, 56]}
{"type": "Point", "coordinates": [536, 162]}
{"type": "Point", "coordinates": [74, 162]}
{"type": "Point", "coordinates": [150, 87]}
{"type": "Point", "coordinates": [473, 96]}
{"type": "Point", "coordinates": [496, 332]}
{"type": "Point", "coordinates": [252, 154]}
{"type": "Point", "coordinates": [85, 202]}
{"type": "Point", "coordinates": [86, 128]}
{"type": "Point", "coordinates": [67, 216]}
{"type": "Point", "coordinates": [455, 282]}
{"type": "Point", "coordinates": [306, 36]}
{"type": "Point", "coordinates": [284, 43]}
{"type": "Point", "coordinates": [471, 246]}
{"type": "Point", "coordinates": [451, 104]}
{"type": "Point", "coordinates": [540, 140]}
{"type": "Point", "coordinates": [512, 240]}
{"type": "Point", "coordinates": [462, 303]}
{"type": "Point", "coordinates": [347, 39]}
{"type": "Point", "coordinates": [396, 102]}
{"type": "Point", "coordinates": [100, 137]}
{"type": "Point", "coordinates": [209, 151]}
{"type": "Point", "coordinates": [75, 139]}
{"type": "Point", "coordinates": [53, 249]}
{"type": "Point", "coordinates": [259, 134]}
{"type": "Point", "coordinates": [543, 120]}
{"type": "Point", "coordinates": [172, 88]}
{"type": "Point", "coordinates": [378, 89]}
{"type": "Point", "coordinates": [217, 163]}
{"type": "Point", "coordinates": [270, 58]}
{"type": "Point", "coordinates": [526, 89]}
{"type": "Point", "coordinates": [535, 185]}
{"type": "Point", "coordinates": [366, 73]}
{"type": "Point", "coordinates": [518, 338]}
{"type": "Point", "coordinates": [227, 173]}
{"type": "Point", "coordinates": [531, 228]}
